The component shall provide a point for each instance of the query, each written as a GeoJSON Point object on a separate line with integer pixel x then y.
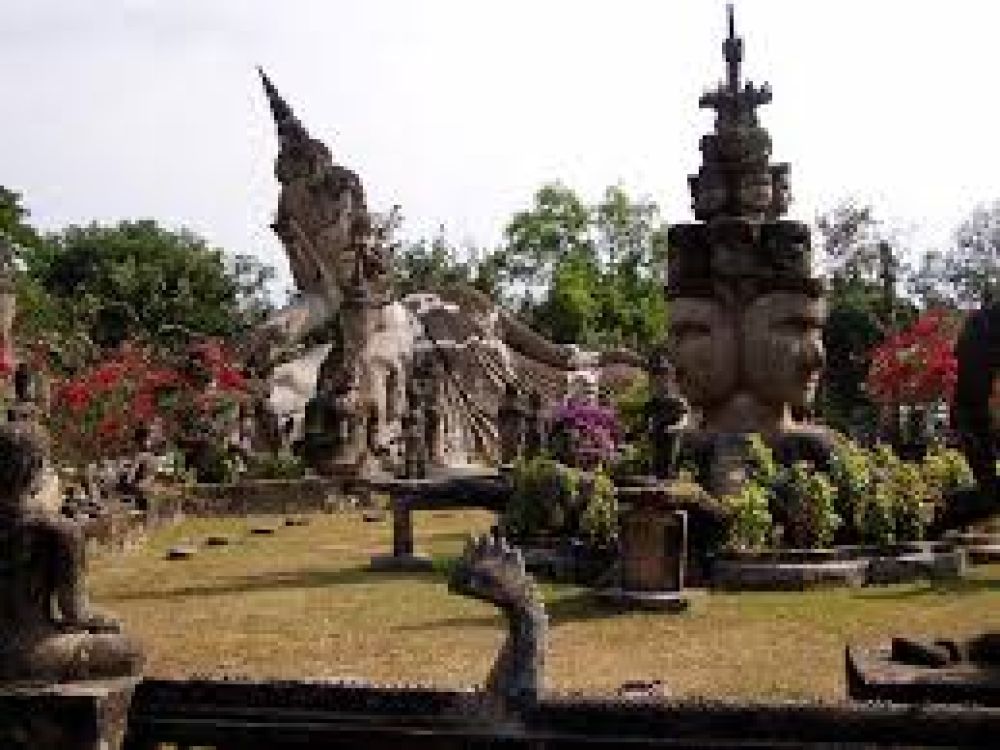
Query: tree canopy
{"type": "Point", "coordinates": [93, 287]}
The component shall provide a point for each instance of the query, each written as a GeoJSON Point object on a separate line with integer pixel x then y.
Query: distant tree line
{"type": "Point", "coordinates": [87, 289]}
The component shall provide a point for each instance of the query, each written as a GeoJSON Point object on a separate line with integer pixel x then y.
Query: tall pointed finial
{"type": "Point", "coordinates": [279, 107]}
{"type": "Point", "coordinates": [732, 48]}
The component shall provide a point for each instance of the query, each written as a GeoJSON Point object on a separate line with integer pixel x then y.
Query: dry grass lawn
{"type": "Point", "coordinates": [302, 604]}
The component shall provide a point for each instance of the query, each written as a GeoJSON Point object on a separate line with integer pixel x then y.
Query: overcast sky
{"type": "Point", "coordinates": [458, 110]}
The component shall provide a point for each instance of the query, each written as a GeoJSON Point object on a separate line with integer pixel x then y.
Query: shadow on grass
{"type": "Point", "coordinates": [443, 536]}
{"type": "Point", "coordinates": [577, 607]}
{"type": "Point", "coordinates": [960, 587]}
{"type": "Point", "coordinates": [297, 579]}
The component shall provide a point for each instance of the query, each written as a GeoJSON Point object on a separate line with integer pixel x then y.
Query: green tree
{"type": "Point", "coordinates": [587, 274]}
{"type": "Point", "coordinates": [424, 265]}
{"type": "Point", "coordinates": [13, 220]}
{"type": "Point", "coordinates": [557, 225]}
{"type": "Point", "coordinates": [968, 275]}
{"type": "Point", "coordinates": [105, 284]}
{"type": "Point", "coordinates": [864, 306]}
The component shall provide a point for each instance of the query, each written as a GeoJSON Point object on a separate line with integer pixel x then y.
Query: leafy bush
{"type": "Point", "coordinates": [599, 521]}
{"type": "Point", "coordinates": [544, 495]}
{"type": "Point", "coordinates": [807, 497]}
{"type": "Point", "coordinates": [850, 471]}
{"type": "Point", "coordinates": [763, 466]}
{"type": "Point", "coordinates": [551, 499]}
{"type": "Point", "coordinates": [945, 471]}
{"type": "Point", "coordinates": [280, 465]}
{"type": "Point", "coordinates": [911, 510]}
{"type": "Point", "coordinates": [751, 525]}
{"type": "Point", "coordinates": [876, 523]}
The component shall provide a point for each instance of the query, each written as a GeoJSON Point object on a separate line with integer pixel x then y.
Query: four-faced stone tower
{"type": "Point", "coordinates": [746, 313]}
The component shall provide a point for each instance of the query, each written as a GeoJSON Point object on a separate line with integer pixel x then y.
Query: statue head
{"type": "Point", "coordinates": [703, 345]}
{"type": "Point", "coordinates": [782, 347]}
{"type": "Point", "coordinates": [492, 571]}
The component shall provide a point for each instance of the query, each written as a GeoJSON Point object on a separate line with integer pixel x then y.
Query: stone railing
{"type": "Point", "coordinates": [276, 715]}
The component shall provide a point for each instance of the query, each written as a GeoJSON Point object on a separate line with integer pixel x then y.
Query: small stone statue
{"type": "Point", "coordinates": [534, 430]}
{"type": "Point", "coordinates": [48, 632]}
{"type": "Point", "coordinates": [414, 437]}
{"type": "Point", "coordinates": [511, 425]}
{"type": "Point", "coordinates": [665, 412]}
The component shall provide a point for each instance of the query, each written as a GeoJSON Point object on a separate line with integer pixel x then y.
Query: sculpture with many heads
{"type": "Point", "coordinates": [747, 314]}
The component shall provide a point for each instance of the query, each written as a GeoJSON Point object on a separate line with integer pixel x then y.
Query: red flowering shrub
{"type": "Point", "coordinates": [916, 365]}
{"type": "Point", "coordinates": [195, 394]}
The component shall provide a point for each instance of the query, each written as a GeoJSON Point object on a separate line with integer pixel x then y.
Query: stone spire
{"type": "Point", "coordinates": [284, 119]}
{"type": "Point", "coordinates": [736, 179]}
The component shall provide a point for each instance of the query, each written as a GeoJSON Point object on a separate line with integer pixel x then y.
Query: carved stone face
{"type": "Point", "coordinates": [782, 345]}
{"type": "Point", "coordinates": [755, 192]}
{"type": "Point", "coordinates": [703, 343]}
{"type": "Point", "coordinates": [710, 194]}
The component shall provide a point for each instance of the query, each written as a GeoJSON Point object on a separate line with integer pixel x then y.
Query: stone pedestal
{"type": "Point", "coordinates": [654, 551]}
{"type": "Point", "coordinates": [403, 557]}
{"type": "Point", "coordinates": [72, 716]}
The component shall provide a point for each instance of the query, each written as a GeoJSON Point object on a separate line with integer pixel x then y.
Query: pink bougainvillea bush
{"type": "Point", "coordinates": [584, 435]}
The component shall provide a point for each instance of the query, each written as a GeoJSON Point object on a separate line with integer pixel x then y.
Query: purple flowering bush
{"type": "Point", "coordinates": [584, 435]}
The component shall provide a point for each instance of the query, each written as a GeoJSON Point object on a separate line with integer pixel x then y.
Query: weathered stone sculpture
{"type": "Point", "coordinates": [511, 420]}
{"type": "Point", "coordinates": [976, 392]}
{"type": "Point", "coordinates": [746, 312]}
{"type": "Point", "coordinates": [492, 571]}
{"type": "Point", "coordinates": [48, 632]}
{"type": "Point", "coordinates": [665, 413]}
{"type": "Point", "coordinates": [340, 255]}
{"type": "Point", "coordinates": [415, 453]}
{"type": "Point", "coordinates": [536, 427]}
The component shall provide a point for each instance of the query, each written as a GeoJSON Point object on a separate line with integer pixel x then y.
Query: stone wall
{"type": "Point", "coordinates": [264, 496]}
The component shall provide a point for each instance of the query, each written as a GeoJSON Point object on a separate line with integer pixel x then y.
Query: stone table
{"type": "Point", "coordinates": [445, 490]}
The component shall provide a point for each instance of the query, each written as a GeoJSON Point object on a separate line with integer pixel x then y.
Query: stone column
{"type": "Point", "coordinates": [403, 557]}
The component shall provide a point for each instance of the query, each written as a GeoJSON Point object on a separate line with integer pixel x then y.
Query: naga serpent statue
{"type": "Point", "coordinates": [492, 571]}
{"type": "Point", "coordinates": [349, 396]}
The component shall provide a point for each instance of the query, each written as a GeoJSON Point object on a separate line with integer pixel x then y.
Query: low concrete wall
{"type": "Point", "coordinates": [797, 570]}
{"type": "Point", "coordinates": [265, 496]}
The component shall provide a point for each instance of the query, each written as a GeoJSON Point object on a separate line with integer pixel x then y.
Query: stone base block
{"type": "Point", "coordinates": [657, 601]}
{"type": "Point", "coordinates": [935, 566]}
{"type": "Point", "coordinates": [412, 563]}
{"type": "Point", "coordinates": [762, 576]}
{"type": "Point", "coordinates": [983, 554]}
{"type": "Point", "coordinates": [872, 675]}
{"type": "Point", "coordinates": [70, 716]}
